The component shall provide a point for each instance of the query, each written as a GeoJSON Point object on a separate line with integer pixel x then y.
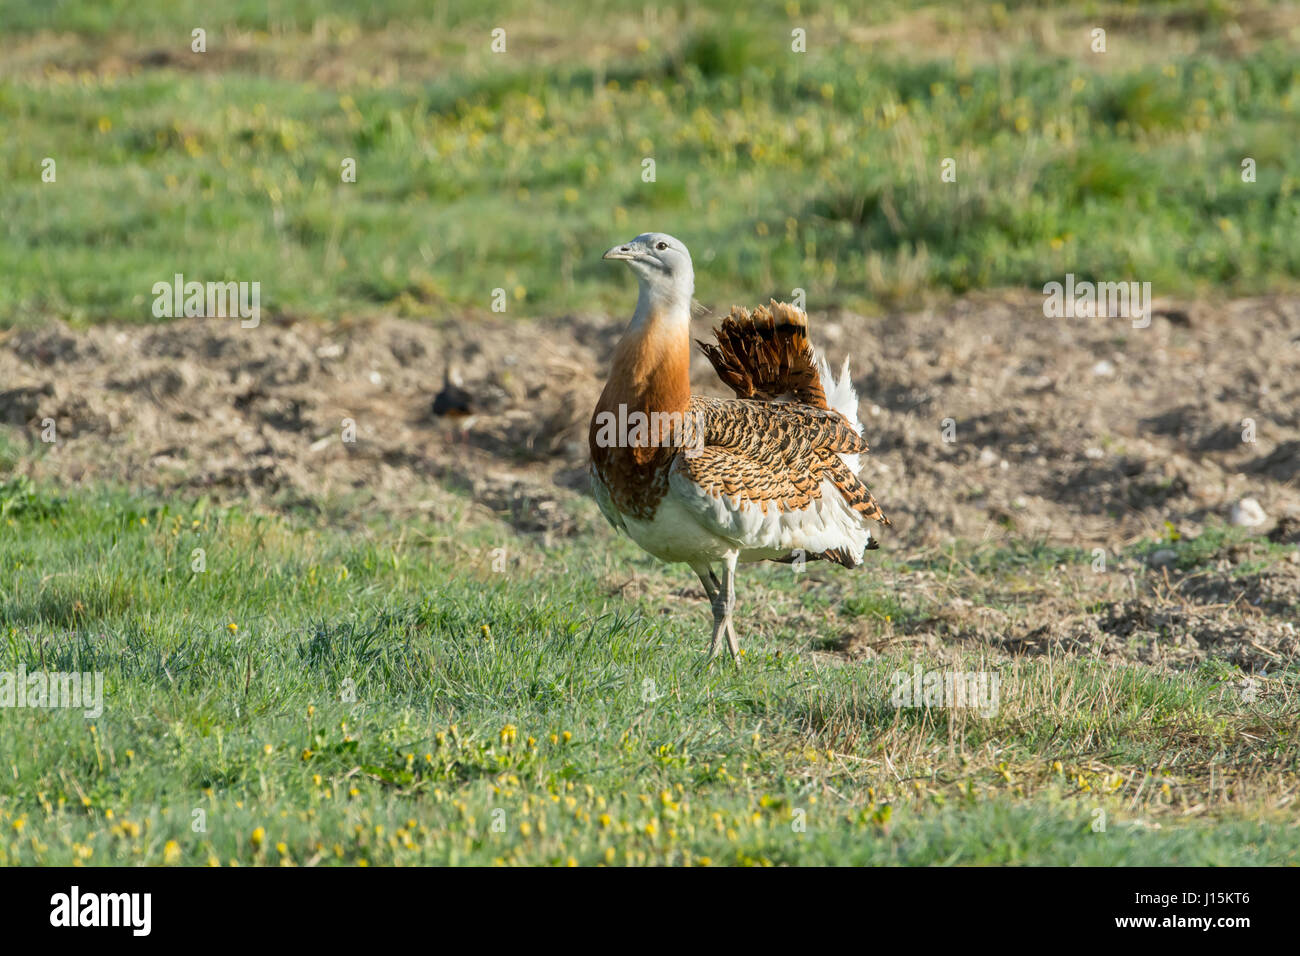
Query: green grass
{"type": "Point", "coordinates": [337, 689]}
{"type": "Point", "coordinates": [536, 716]}
{"type": "Point", "coordinates": [780, 170]}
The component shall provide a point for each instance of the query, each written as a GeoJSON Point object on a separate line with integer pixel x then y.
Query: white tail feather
{"type": "Point", "coordinates": [843, 397]}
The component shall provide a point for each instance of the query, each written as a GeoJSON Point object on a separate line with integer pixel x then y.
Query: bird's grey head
{"type": "Point", "coordinates": [663, 268]}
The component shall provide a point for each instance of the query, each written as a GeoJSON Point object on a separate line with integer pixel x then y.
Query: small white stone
{"type": "Point", "coordinates": [376, 378]}
{"type": "Point", "coordinates": [1103, 368]}
{"type": "Point", "coordinates": [1247, 513]}
{"type": "Point", "coordinates": [1094, 453]}
{"type": "Point", "coordinates": [988, 457]}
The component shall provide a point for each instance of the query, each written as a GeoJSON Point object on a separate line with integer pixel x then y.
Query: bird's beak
{"type": "Point", "coordinates": [620, 252]}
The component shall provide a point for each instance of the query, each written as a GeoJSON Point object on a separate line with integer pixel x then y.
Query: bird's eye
{"type": "Point", "coordinates": [661, 246]}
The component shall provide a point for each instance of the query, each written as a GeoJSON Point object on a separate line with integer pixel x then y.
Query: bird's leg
{"type": "Point", "coordinates": [713, 589]}
{"type": "Point", "coordinates": [729, 596]}
{"type": "Point", "coordinates": [719, 625]}
{"type": "Point", "coordinates": [708, 579]}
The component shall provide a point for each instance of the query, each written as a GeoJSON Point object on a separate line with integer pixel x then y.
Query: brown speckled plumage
{"type": "Point", "coordinates": [773, 454]}
{"type": "Point", "coordinates": [767, 453]}
{"type": "Point", "coordinates": [781, 453]}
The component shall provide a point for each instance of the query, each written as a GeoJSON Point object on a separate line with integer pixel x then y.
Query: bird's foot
{"type": "Point", "coordinates": [733, 645]}
{"type": "Point", "coordinates": [723, 628]}
{"type": "Point", "coordinates": [719, 628]}
{"type": "Point", "coordinates": [721, 622]}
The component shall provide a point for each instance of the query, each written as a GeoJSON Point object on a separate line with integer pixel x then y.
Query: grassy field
{"type": "Point", "coordinates": [303, 677]}
{"type": "Point", "coordinates": [536, 715]}
{"type": "Point", "coordinates": [479, 170]}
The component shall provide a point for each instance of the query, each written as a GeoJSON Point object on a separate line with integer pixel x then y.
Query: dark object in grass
{"type": "Point", "coordinates": [1286, 531]}
{"type": "Point", "coordinates": [453, 401]}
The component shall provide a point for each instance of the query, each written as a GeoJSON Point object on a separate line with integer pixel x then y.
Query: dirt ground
{"type": "Point", "coordinates": [987, 421]}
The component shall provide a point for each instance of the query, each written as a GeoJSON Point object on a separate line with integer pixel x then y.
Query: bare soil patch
{"type": "Point", "coordinates": [1081, 432]}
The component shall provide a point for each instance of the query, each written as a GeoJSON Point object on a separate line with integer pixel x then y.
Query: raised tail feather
{"type": "Point", "coordinates": [766, 355]}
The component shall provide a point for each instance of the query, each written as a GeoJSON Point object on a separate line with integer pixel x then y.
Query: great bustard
{"type": "Point", "coordinates": [769, 475]}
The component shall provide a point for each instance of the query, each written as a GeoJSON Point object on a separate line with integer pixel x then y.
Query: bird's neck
{"type": "Point", "coordinates": [651, 376]}
{"type": "Point", "coordinates": [652, 364]}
